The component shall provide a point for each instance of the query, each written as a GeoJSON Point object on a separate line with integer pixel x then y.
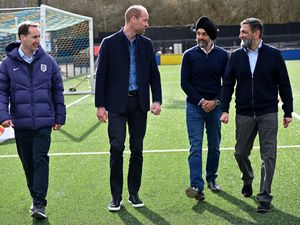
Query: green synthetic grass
{"type": "Point", "coordinates": [81, 83]}
{"type": "Point", "coordinates": [79, 185]}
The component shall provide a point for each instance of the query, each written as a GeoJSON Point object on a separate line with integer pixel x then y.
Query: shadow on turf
{"type": "Point", "coordinates": [128, 218]}
{"type": "Point", "coordinates": [8, 142]}
{"type": "Point", "coordinates": [201, 207]}
{"type": "Point", "coordinates": [153, 216]}
{"type": "Point", "coordinates": [83, 136]}
{"type": "Point", "coordinates": [40, 222]}
{"type": "Point", "coordinates": [275, 216]}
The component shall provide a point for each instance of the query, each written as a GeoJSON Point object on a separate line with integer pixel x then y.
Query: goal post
{"type": "Point", "coordinates": [67, 36]}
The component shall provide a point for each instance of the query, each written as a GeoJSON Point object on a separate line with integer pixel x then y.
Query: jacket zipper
{"type": "Point", "coordinates": [32, 92]}
{"type": "Point", "coordinates": [252, 100]}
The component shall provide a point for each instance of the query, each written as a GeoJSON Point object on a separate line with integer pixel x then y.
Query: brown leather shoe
{"type": "Point", "coordinates": [194, 192]}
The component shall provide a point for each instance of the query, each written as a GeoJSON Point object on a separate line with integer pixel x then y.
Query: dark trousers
{"type": "Point", "coordinates": [33, 147]}
{"type": "Point", "coordinates": [246, 130]}
{"type": "Point", "coordinates": [136, 120]}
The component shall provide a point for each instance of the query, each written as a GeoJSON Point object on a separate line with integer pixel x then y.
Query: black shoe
{"type": "Point", "coordinates": [135, 201]}
{"type": "Point", "coordinates": [194, 192]}
{"type": "Point", "coordinates": [263, 207]}
{"type": "Point", "coordinates": [247, 190]}
{"type": "Point", "coordinates": [38, 212]}
{"type": "Point", "coordinates": [200, 197]}
{"type": "Point", "coordinates": [115, 204]}
{"type": "Point", "coordinates": [213, 186]}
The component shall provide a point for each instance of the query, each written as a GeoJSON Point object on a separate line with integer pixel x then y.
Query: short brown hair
{"type": "Point", "coordinates": [23, 28]}
{"type": "Point", "coordinates": [255, 24]}
{"type": "Point", "coordinates": [135, 10]}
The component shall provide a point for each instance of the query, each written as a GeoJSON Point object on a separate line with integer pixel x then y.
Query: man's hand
{"type": "Point", "coordinates": [208, 105]}
{"type": "Point", "coordinates": [155, 108]}
{"type": "Point", "coordinates": [286, 121]}
{"type": "Point", "coordinates": [102, 114]}
{"type": "Point", "coordinates": [56, 126]}
{"type": "Point", "coordinates": [224, 117]}
{"type": "Point", "coordinates": [7, 123]}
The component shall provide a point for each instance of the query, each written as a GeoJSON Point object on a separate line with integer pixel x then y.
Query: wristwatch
{"type": "Point", "coordinates": [217, 101]}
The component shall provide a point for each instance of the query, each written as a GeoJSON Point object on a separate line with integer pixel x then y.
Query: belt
{"type": "Point", "coordinates": [132, 93]}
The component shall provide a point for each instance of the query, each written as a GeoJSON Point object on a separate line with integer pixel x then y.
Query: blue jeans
{"type": "Point", "coordinates": [196, 118]}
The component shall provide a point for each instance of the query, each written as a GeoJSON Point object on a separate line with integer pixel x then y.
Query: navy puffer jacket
{"type": "Point", "coordinates": [33, 91]}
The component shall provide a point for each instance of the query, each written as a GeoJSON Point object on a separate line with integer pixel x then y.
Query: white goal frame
{"type": "Point", "coordinates": [91, 37]}
{"type": "Point", "coordinates": [43, 9]}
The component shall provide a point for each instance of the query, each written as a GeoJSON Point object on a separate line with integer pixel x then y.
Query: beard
{"type": "Point", "coordinates": [247, 43]}
{"type": "Point", "coordinates": [202, 44]}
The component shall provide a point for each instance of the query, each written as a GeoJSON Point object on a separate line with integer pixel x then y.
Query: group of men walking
{"type": "Point", "coordinates": [31, 101]}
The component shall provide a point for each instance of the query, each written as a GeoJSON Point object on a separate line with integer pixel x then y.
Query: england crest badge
{"type": "Point", "coordinates": [43, 68]}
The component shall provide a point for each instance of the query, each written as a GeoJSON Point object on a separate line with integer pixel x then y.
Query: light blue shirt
{"type": "Point", "coordinates": [25, 57]}
{"type": "Point", "coordinates": [132, 73]}
{"type": "Point", "coordinates": [252, 55]}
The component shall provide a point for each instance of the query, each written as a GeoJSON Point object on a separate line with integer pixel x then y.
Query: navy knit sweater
{"type": "Point", "coordinates": [258, 94]}
{"type": "Point", "coordinates": [201, 73]}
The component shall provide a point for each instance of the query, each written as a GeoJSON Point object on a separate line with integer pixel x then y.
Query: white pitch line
{"type": "Point", "coordinates": [67, 106]}
{"type": "Point", "coordinates": [78, 100]}
{"type": "Point", "coordinates": [296, 115]}
{"type": "Point", "coordinates": [145, 151]}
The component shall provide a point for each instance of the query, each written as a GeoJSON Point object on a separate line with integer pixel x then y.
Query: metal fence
{"type": "Point", "coordinates": [291, 41]}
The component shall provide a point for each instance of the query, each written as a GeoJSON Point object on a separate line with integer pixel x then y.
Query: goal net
{"type": "Point", "coordinates": [68, 37]}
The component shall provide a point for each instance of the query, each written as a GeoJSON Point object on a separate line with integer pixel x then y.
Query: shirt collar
{"type": "Point", "coordinates": [212, 47]}
{"type": "Point", "coordinates": [128, 38]}
{"type": "Point", "coordinates": [24, 56]}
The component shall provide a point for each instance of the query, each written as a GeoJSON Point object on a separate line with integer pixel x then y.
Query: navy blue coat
{"type": "Point", "coordinates": [33, 91]}
{"type": "Point", "coordinates": [258, 94]}
{"type": "Point", "coordinates": [201, 73]}
{"type": "Point", "coordinates": [112, 76]}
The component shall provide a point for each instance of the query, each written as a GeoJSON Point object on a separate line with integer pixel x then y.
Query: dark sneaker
{"type": "Point", "coordinates": [200, 197]}
{"type": "Point", "coordinates": [194, 192]}
{"type": "Point", "coordinates": [263, 207]}
{"type": "Point", "coordinates": [115, 204]}
{"type": "Point", "coordinates": [135, 201]}
{"type": "Point", "coordinates": [247, 190]}
{"type": "Point", "coordinates": [38, 212]}
{"type": "Point", "coordinates": [213, 186]}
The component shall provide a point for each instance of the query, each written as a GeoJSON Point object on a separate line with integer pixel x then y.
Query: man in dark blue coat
{"type": "Point", "coordinates": [202, 69]}
{"type": "Point", "coordinates": [31, 84]}
{"type": "Point", "coordinates": [260, 74]}
{"type": "Point", "coordinates": [126, 71]}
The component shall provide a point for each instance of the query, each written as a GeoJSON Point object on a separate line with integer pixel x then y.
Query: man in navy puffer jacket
{"type": "Point", "coordinates": [32, 87]}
